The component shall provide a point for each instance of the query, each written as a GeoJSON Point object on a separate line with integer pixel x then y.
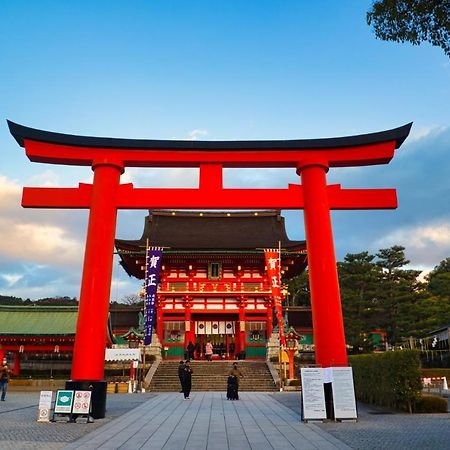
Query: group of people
{"type": "Point", "coordinates": [208, 350]}
{"type": "Point", "coordinates": [185, 376]}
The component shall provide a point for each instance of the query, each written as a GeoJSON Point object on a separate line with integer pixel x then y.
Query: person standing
{"type": "Point", "coordinates": [209, 351]}
{"type": "Point", "coordinates": [4, 380]}
{"type": "Point", "coordinates": [233, 383]}
{"type": "Point", "coordinates": [181, 374]}
{"type": "Point", "coordinates": [187, 380]}
{"type": "Point", "coordinates": [190, 350]}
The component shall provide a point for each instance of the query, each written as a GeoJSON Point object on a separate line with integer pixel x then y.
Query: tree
{"type": "Point", "coordinates": [299, 292]}
{"type": "Point", "coordinates": [399, 289]}
{"type": "Point", "coordinates": [131, 300]}
{"type": "Point", "coordinates": [359, 282]}
{"type": "Point", "coordinates": [439, 279]}
{"type": "Point", "coordinates": [57, 301]}
{"type": "Point", "coordinates": [413, 21]}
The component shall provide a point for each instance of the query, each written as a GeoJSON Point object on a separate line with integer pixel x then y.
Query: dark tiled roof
{"type": "Point", "coordinates": [21, 133]}
{"type": "Point", "coordinates": [214, 231]}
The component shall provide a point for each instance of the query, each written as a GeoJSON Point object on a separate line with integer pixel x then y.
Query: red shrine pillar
{"type": "Point", "coordinates": [2, 354]}
{"type": "Point", "coordinates": [242, 305]}
{"type": "Point", "coordinates": [187, 322]}
{"type": "Point", "coordinates": [269, 320]}
{"type": "Point", "coordinates": [329, 338]}
{"type": "Point", "coordinates": [16, 364]}
{"type": "Point", "coordinates": [160, 323]}
{"type": "Point", "coordinates": [90, 341]}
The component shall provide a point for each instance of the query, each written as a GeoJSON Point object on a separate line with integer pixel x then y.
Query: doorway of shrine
{"type": "Point", "coordinates": [221, 335]}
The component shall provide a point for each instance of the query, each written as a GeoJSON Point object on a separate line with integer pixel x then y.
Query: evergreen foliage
{"type": "Point", "coordinates": [413, 21]}
{"type": "Point", "coordinates": [390, 379]}
{"type": "Point", "coordinates": [379, 293]}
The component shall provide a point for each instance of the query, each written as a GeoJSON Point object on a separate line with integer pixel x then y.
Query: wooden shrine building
{"type": "Point", "coordinates": [213, 281]}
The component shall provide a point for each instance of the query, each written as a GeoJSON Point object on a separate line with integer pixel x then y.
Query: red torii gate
{"type": "Point", "coordinates": [108, 158]}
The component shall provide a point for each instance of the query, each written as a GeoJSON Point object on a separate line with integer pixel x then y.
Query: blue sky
{"type": "Point", "coordinates": [215, 70]}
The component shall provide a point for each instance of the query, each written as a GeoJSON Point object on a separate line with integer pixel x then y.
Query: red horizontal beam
{"type": "Point", "coordinates": [359, 155]}
{"type": "Point", "coordinates": [129, 197]}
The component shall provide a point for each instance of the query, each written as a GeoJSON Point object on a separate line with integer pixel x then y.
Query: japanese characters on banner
{"type": "Point", "coordinates": [272, 258]}
{"type": "Point", "coordinates": [153, 265]}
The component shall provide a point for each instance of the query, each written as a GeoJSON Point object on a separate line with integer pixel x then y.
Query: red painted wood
{"type": "Point", "coordinates": [329, 339]}
{"type": "Point", "coordinates": [209, 197]}
{"type": "Point", "coordinates": [89, 351]}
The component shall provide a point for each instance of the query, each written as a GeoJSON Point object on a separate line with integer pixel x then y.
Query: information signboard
{"type": "Point", "coordinates": [82, 402]}
{"type": "Point", "coordinates": [45, 406]}
{"type": "Point", "coordinates": [64, 401]}
{"type": "Point", "coordinates": [313, 395]}
{"type": "Point", "coordinates": [344, 402]}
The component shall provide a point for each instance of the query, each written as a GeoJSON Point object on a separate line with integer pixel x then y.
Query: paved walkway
{"type": "Point", "coordinates": [209, 421]}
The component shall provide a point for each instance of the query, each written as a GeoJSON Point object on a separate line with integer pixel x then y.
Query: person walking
{"type": "Point", "coordinates": [233, 383]}
{"type": "Point", "coordinates": [187, 380]}
{"type": "Point", "coordinates": [209, 351]}
{"type": "Point", "coordinates": [4, 380]}
{"type": "Point", "coordinates": [181, 374]}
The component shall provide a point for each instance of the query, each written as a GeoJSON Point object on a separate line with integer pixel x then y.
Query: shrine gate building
{"type": "Point", "coordinates": [213, 281]}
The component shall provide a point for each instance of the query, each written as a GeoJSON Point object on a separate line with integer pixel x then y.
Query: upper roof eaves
{"type": "Point", "coordinates": [21, 133]}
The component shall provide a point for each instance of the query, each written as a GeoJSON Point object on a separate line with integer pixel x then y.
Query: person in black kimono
{"type": "Point", "coordinates": [181, 373]}
{"type": "Point", "coordinates": [233, 383]}
{"type": "Point", "coordinates": [187, 380]}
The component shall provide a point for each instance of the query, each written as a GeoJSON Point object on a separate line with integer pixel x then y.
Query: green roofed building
{"type": "Point", "coordinates": [38, 333]}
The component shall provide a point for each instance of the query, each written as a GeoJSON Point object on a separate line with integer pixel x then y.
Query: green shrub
{"type": "Point", "coordinates": [389, 379]}
{"type": "Point", "coordinates": [430, 404]}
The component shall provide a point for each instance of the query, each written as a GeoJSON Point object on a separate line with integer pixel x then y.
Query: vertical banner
{"type": "Point", "coordinates": [152, 265]}
{"type": "Point", "coordinates": [273, 264]}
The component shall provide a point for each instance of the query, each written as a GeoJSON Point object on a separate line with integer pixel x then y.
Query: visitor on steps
{"type": "Point", "coordinates": [190, 350]}
{"type": "Point", "coordinates": [187, 380]}
{"type": "Point", "coordinates": [233, 383]}
{"type": "Point", "coordinates": [209, 351]}
{"type": "Point", "coordinates": [181, 373]}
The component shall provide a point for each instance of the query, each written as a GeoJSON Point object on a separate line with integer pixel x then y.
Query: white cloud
{"type": "Point", "coordinates": [426, 245]}
{"type": "Point", "coordinates": [11, 278]}
{"type": "Point", "coordinates": [42, 242]}
{"type": "Point", "coordinates": [10, 194]}
{"type": "Point", "coordinates": [196, 134]}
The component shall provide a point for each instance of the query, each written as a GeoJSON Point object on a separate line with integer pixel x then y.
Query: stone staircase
{"type": "Point", "coordinates": [212, 376]}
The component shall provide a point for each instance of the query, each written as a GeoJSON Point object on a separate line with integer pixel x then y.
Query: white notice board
{"type": "Point", "coordinates": [313, 394]}
{"type": "Point", "coordinates": [344, 402]}
{"type": "Point", "coordinates": [82, 402]}
{"type": "Point", "coordinates": [45, 406]}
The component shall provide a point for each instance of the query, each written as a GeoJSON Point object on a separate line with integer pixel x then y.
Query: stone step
{"type": "Point", "coordinates": [212, 376]}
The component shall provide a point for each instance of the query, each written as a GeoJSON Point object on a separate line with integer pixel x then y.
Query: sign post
{"type": "Point", "coordinates": [45, 406]}
{"type": "Point", "coordinates": [63, 403]}
{"type": "Point", "coordinates": [313, 395]}
{"type": "Point", "coordinates": [344, 402]}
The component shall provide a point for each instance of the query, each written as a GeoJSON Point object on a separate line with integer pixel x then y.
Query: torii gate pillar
{"type": "Point", "coordinates": [329, 338]}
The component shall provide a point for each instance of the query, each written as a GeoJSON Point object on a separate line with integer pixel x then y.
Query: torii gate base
{"type": "Point", "coordinates": [108, 158]}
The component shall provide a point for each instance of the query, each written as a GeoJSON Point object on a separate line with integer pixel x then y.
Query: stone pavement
{"type": "Point", "coordinates": [209, 421]}
{"type": "Point", "coordinates": [19, 429]}
{"type": "Point", "coordinates": [379, 429]}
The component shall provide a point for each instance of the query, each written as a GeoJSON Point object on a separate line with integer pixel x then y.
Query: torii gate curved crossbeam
{"type": "Point", "coordinates": [109, 157]}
